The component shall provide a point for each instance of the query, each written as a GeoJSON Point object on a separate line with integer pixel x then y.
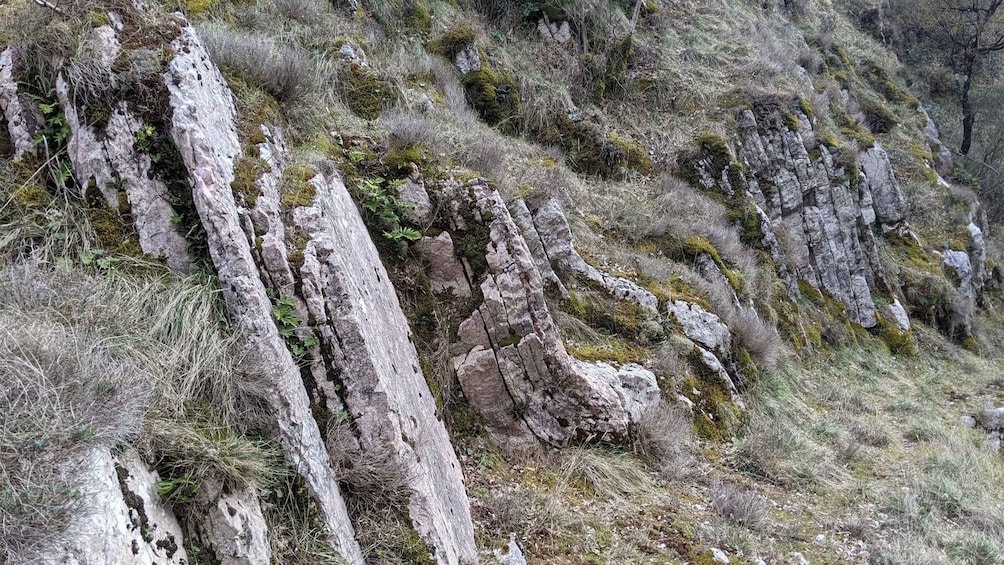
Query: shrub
{"type": "Point", "coordinates": [282, 70]}
{"type": "Point", "coordinates": [663, 437]}
{"type": "Point", "coordinates": [739, 506]}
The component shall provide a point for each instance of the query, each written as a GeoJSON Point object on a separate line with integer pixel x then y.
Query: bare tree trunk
{"type": "Point", "coordinates": [634, 16]}
{"type": "Point", "coordinates": [967, 109]}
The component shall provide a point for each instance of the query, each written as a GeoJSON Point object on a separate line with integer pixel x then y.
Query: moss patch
{"type": "Point", "coordinates": [296, 188]}
{"type": "Point", "coordinates": [494, 95]}
{"type": "Point", "coordinates": [365, 93]}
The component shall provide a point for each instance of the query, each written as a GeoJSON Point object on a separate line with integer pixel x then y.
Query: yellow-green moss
{"type": "Point", "coordinates": [366, 94]}
{"type": "Point", "coordinates": [494, 95]}
{"type": "Point", "coordinates": [716, 416]}
{"type": "Point", "coordinates": [610, 316]}
{"type": "Point", "coordinates": [296, 189]}
{"type": "Point", "coordinates": [896, 340]}
{"type": "Point", "coordinates": [114, 233]}
{"type": "Point", "coordinates": [200, 7]}
{"type": "Point", "coordinates": [697, 245]}
{"type": "Point", "coordinates": [398, 161]}
{"type": "Point", "coordinates": [616, 350]}
{"type": "Point", "coordinates": [32, 196]}
{"type": "Point", "coordinates": [634, 154]}
{"type": "Point", "coordinates": [246, 172]}
{"type": "Point", "coordinates": [451, 42]}
{"type": "Point", "coordinates": [416, 15]}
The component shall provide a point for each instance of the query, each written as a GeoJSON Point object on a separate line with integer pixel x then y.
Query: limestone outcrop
{"type": "Point", "coordinates": [826, 213]}
{"type": "Point", "coordinates": [510, 360]}
{"type": "Point", "coordinates": [124, 519]}
{"type": "Point", "coordinates": [18, 118]}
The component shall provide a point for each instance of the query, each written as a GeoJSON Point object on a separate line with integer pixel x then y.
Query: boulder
{"type": "Point", "coordinates": [887, 199]}
{"type": "Point", "coordinates": [511, 362]}
{"type": "Point", "coordinates": [701, 326]}
{"type": "Point", "coordinates": [235, 529]}
{"type": "Point", "coordinates": [124, 519]}
{"type": "Point", "coordinates": [445, 270]}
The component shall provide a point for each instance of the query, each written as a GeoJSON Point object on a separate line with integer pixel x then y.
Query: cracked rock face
{"type": "Point", "coordinates": [124, 521]}
{"type": "Point", "coordinates": [363, 361]}
{"type": "Point", "coordinates": [512, 364]}
{"type": "Point", "coordinates": [701, 326]}
{"type": "Point", "coordinates": [236, 531]}
{"type": "Point", "coordinates": [828, 218]}
{"type": "Point", "coordinates": [109, 161]}
{"type": "Point", "coordinates": [18, 117]}
{"type": "Point", "coordinates": [204, 131]}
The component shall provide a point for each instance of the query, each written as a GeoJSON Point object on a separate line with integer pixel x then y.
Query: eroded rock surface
{"type": "Point", "coordinates": [18, 117]}
{"type": "Point", "coordinates": [124, 519]}
{"type": "Point", "coordinates": [204, 131]}
{"type": "Point", "coordinates": [826, 214]}
{"type": "Point", "coordinates": [235, 529]}
{"type": "Point", "coordinates": [512, 363]}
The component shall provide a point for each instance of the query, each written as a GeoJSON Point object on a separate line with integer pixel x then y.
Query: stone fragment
{"type": "Point", "coordinates": [701, 326]}
{"type": "Point", "coordinates": [21, 121]}
{"type": "Point", "coordinates": [445, 270]}
{"type": "Point", "coordinates": [236, 531]}
{"type": "Point", "coordinates": [887, 198]}
{"type": "Point", "coordinates": [468, 59]}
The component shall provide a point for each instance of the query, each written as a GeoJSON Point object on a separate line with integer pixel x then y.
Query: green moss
{"type": "Point", "coordinates": [632, 153]}
{"type": "Point", "coordinates": [606, 315]}
{"type": "Point", "coordinates": [398, 161]}
{"type": "Point", "coordinates": [896, 341]}
{"type": "Point", "coordinates": [847, 159]}
{"type": "Point", "coordinates": [616, 350]}
{"type": "Point", "coordinates": [878, 116]}
{"type": "Point", "coordinates": [806, 107]}
{"type": "Point", "coordinates": [114, 233]}
{"type": "Point", "coordinates": [366, 94]}
{"type": "Point", "coordinates": [811, 293]}
{"type": "Point", "coordinates": [494, 95]}
{"type": "Point", "coordinates": [697, 245]}
{"type": "Point", "coordinates": [199, 7]}
{"type": "Point", "coordinates": [296, 188]}
{"type": "Point", "coordinates": [451, 42]}
{"type": "Point", "coordinates": [32, 196]}
{"type": "Point", "coordinates": [619, 57]}
{"type": "Point", "coordinates": [416, 15]}
{"type": "Point", "coordinates": [246, 172]}
{"type": "Point", "coordinates": [716, 417]}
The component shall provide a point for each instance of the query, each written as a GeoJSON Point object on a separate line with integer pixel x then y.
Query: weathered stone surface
{"type": "Point", "coordinates": [366, 338]}
{"type": "Point", "coordinates": [124, 520]}
{"type": "Point", "coordinates": [701, 326]}
{"type": "Point", "coordinates": [18, 116]}
{"type": "Point", "coordinates": [204, 131]}
{"type": "Point", "coordinates": [513, 554]}
{"type": "Point", "coordinates": [827, 222]}
{"type": "Point", "coordinates": [887, 199]}
{"type": "Point", "coordinates": [413, 192]}
{"type": "Point", "coordinates": [559, 32]}
{"type": "Point", "coordinates": [943, 160]}
{"type": "Point", "coordinates": [109, 160]}
{"type": "Point", "coordinates": [899, 314]}
{"type": "Point", "coordinates": [523, 218]}
{"type": "Point", "coordinates": [236, 531]}
{"type": "Point", "coordinates": [992, 422]}
{"type": "Point", "coordinates": [959, 269]}
{"type": "Point", "coordinates": [510, 357]}
{"type": "Point", "coordinates": [556, 238]}
{"type": "Point", "coordinates": [445, 270]}
{"type": "Point", "coordinates": [468, 59]}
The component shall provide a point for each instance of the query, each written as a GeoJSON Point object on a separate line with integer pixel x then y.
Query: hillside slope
{"type": "Point", "coordinates": [413, 281]}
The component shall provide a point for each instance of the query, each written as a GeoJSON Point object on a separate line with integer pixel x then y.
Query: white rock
{"type": "Point", "coordinates": [701, 326]}
{"type": "Point", "coordinates": [445, 270]}
{"type": "Point", "coordinates": [21, 121]}
{"type": "Point", "coordinates": [719, 556]}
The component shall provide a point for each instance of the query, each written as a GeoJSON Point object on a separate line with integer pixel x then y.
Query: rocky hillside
{"type": "Point", "coordinates": [427, 282]}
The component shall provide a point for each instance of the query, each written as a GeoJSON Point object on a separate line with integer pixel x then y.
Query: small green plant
{"type": "Point", "coordinates": [178, 489]}
{"type": "Point", "coordinates": [284, 312]}
{"type": "Point", "coordinates": [382, 210]}
{"type": "Point", "coordinates": [145, 142]}
{"type": "Point", "coordinates": [99, 258]}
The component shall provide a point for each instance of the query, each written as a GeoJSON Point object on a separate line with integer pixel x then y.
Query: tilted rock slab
{"type": "Point", "coordinates": [18, 115]}
{"type": "Point", "coordinates": [125, 521]}
{"type": "Point", "coordinates": [550, 226]}
{"type": "Point", "coordinates": [235, 529]}
{"type": "Point", "coordinates": [204, 131]}
{"type": "Point", "coordinates": [512, 364]}
{"type": "Point", "coordinates": [364, 362]}
{"type": "Point", "coordinates": [829, 222]}
{"type": "Point", "coordinates": [108, 159]}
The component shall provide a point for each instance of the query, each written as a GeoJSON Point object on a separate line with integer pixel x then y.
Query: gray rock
{"type": "Point", "coordinates": [943, 159]}
{"type": "Point", "coordinates": [887, 198]}
{"type": "Point", "coordinates": [968, 421]}
{"type": "Point", "coordinates": [556, 237]}
{"type": "Point", "coordinates": [558, 32]}
{"type": "Point", "coordinates": [124, 520]}
{"type": "Point", "coordinates": [719, 556]}
{"type": "Point", "coordinates": [512, 363]}
{"type": "Point", "coordinates": [236, 531]}
{"type": "Point", "coordinates": [204, 131]}
{"type": "Point", "coordinates": [513, 554]}
{"type": "Point", "coordinates": [959, 270]}
{"type": "Point", "coordinates": [992, 422]}
{"type": "Point", "coordinates": [365, 337]}
{"type": "Point", "coordinates": [109, 160]}
{"type": "Point", "coordinates": [445, 270]}
{"type": "Point", "coordinates": [701, 326]}
{"type": "Point", "coordinates": [827, 222]}
{"type": "Point", "coordinates": [899, 314]}
{"type": "Point", "coordinates": [21, 121]}
{"type": "Point", "coordinates": [353, 54]}
{"type": "Point", "coordinates": [413, 192]}
{"type": "Point", "coordinates": [468, 59]}
{"type": "Point", "coordinates": [524, 221]}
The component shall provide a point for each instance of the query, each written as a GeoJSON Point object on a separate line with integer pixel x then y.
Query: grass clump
{"type": "Point", "coordinates": [283, 71]}
{"type": "Point", "coordinates": [453, 41]}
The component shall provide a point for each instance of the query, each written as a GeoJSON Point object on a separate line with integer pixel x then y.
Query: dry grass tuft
{"type": "Point", "coordinates": [739, 506]}
{"type": "Point", "coordinates": [664, 438]}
